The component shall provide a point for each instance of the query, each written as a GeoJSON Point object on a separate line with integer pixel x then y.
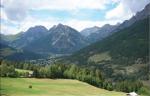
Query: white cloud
{"type": "Point", "coordinates": [69, 4]}
{"type": "Point", "coordinates": [49, 22]}
{"type": "Point", "coordinates": [8, 29]}
{"type": "Point", "coordinates": [15, 10]}
{"type": "Point", "coordinates": [30, 22]}
{"type": "Point", "coordinates": [120, 12]}
{"type": "Point", "coordinates": [2, 14]}
{"type": "Point", "coordinates": [135, 5]}
{"type": "Point", "coordinates": [126, 9]}
{"type": "Point", "coordinates": [80, 25]}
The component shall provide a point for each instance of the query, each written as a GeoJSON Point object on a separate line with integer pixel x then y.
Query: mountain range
{"type": "Point", "coordinates": [62, 39]}
{"type": "Point", "coordinates": [98, 33]}
{"type": "Point", "coordinates": [123, 54]}
{"type": "Point", "coordinates": [29, 36]}
{"type": "Point", "coordinates": [101, 33]}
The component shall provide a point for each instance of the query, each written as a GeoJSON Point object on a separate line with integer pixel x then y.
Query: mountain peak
{"type": "Point", "coordinates": [106, 25]}
{"type": "Point", "coordinates": [60, 28]}
{"type": "Point", "coordinates": [96, 27]}
{"type": "Point", "coordinates": [147, 7]}
{"type": "Point", "coordinates": [37, 28]}
{"type": "Point", "coordinates": [60, 24]}
{"type": "Point", "coordinates": [62, 39]}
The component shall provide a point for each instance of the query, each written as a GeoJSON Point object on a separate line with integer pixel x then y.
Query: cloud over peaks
{"type": "Point", "coordinates": [15, 10]}
{"type": "Point", "coordinates": [126, 9]}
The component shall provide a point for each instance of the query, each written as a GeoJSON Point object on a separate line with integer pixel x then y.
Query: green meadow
{"type": "Point", "coordinates": [23, 71]}
{"type": "Point", "coordinates": [51, 87]}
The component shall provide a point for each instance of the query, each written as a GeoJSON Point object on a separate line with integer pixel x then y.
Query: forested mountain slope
{"type": "Point", "coordinates": [7, 52]}
{"type": "Point", "coordinates": [124, 52]}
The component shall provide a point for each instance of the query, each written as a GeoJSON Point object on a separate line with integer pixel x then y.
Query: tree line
{"type": "Point", "coordinates": [90, 75]}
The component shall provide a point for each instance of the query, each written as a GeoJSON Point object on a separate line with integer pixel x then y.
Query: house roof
{"type": "Point", "coordinates": [132, 94]}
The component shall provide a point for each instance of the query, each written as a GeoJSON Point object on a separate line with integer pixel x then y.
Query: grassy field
{"type": "Point", "coordinates": [23, 71]}
{"type": "Point", "coordinates": [49, 87]}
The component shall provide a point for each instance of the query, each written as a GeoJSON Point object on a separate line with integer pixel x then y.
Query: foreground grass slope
{"type": "Point", "coordinates": [49, 87]}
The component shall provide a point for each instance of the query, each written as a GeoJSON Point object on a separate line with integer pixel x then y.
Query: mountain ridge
{"type": "Point", "coordinates": [107, 30]}
{"type": "Point", "coordinates": [9, 53]}
{"type": "Point", "coordinates": [61, 39]}
{"type": "Point", "coordinates": [29, 36]}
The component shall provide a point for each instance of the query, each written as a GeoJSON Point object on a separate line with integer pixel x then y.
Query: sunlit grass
{"type": "Point", "coordinates": [50, 87]}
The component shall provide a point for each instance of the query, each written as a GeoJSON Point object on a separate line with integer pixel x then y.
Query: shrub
{"type": "Point", "coordinates": [30, 86]}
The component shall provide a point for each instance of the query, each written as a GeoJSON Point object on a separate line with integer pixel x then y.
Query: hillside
{"type": "Point", "coordinates": [102, 32]}
{"type": "Point", "coordinates": [88, 31]}
{"type": "Point", "coordinates": [50, 87]}
{"type": "Point", "coordinates": [27, 37]}
{"type": "Point", "coordinates": [10, 38]}
{"type": "Point", "coordinates": [124, 52]}
{"type": "Point", "coordinates": [7, 52]}
{"type": "Point", "coordinates": [96, 34]}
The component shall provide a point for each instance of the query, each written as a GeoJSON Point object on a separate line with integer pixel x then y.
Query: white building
{"type": "Point", "coordinates": [132, 94]}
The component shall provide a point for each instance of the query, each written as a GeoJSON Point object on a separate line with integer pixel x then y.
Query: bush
{"type": "Point", "coordinates": [30, 86]}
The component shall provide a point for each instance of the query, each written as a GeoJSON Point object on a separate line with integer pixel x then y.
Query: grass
{"type": "Point", "coordinates": [23, 71]}
{"type": "Point", "coordinates": [100, 57]}
{"type": "Point", "coordinates": [50, 87]}
{"type": "Point", "coordinates": [145, 89]}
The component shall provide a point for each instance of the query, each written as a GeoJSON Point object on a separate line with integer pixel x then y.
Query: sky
{"type": "Point", "coordinates": [19, 15]}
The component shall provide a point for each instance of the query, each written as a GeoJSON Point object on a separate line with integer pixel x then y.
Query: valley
{"type": "Point", "coordinates": [60, 60]}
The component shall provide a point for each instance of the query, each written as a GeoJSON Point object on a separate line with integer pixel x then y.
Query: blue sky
{"type": "Point", "coordinates": [81, 14]}
{"type": "Point", "coordinates": [19, 15]}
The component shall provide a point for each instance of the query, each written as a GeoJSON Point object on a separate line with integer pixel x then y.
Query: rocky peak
{"type": "Point", "coordinates": [37, 29]}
